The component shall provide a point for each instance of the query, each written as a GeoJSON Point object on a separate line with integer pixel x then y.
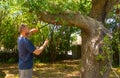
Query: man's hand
{"type": "Point", "coordinates": [33, 30]}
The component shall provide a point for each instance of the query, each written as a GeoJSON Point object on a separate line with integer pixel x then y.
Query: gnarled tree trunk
{"type": "Point", "coordinates": [92, 44]}
{"type": "Point", "coordinates": [91, 48]}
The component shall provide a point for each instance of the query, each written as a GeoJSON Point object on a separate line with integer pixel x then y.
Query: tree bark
{"type": "Point", "coordinates": [99, 11]}
{"type": "Point", "coordinates": [91, 48]}
{"type": "Point", "coordinates": [100, 8]}
{"type": "Point", "coordinates": [90, 67]}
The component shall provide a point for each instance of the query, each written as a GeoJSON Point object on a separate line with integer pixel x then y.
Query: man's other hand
{"type": "Point", "coordinates": [46, 42]}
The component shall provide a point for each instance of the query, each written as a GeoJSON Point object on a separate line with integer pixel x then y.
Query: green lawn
{"type": "Point", "coordinates": [63, 69]}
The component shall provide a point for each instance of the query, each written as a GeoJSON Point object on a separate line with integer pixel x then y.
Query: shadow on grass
{"type": "Point", "coordinates": [117, 71]}
{"type": "Point", "coordinates": [2, 74]}
{"type": "Point", "coordinates": [61, 69]}
{"type": "Point", "coordinates": [8, 70]}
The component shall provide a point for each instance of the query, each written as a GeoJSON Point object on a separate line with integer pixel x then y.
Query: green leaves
{"type": "Point", "coordinates": [15, 12]}
{"type": "Point", "coordinates": [58, 6]}
{"type": "Point", "coordinates": [100, 57]}
{"type": "Point", "coordinates": [103, 70]}
{"type": "Point", "coordinates": [85, 6]}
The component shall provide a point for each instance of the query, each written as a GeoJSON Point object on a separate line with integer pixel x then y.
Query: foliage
{"type": "Point", "coordinates": [110, 46]}
{"type": "Point", "coordinates": [113, 23]}
{"type": "Point", "coordinates": [7, 27]}
{"type": "Point", "coordinates": [107, 47]}
{"type": "Point", "coordinates": [15, 12]}
{"type": "Point", "coordinates": [59, 6]}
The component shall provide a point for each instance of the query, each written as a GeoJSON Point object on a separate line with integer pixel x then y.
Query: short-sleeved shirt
{"type": "Point", "coordinates": [25, 51]}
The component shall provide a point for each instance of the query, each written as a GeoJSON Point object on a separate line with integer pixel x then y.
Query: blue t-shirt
{"type": "Point", "coordinates": [25, 49]}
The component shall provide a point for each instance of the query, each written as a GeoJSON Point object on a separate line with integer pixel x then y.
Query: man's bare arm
{"type": "Point", "coordinates": [31, 31]}
{"type": "Point", "coordinates": [39, 50]}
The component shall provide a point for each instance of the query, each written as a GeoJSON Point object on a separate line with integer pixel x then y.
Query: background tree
{"type": "Point", "coordinates": [13, 13]}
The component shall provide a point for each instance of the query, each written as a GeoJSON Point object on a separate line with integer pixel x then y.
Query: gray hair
{"type": "Point", "coordinates": [22, 26]}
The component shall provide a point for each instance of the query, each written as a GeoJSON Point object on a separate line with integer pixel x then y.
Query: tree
{"type": "Point", "coordinates": [8, 32]}
{"type": "Point", "coordinates": [91, 22]}
{"type": "Point", "coordinates": [92, 31]}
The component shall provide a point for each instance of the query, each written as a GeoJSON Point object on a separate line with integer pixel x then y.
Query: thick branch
{"type": "Point", "coordinates": [69, 19]}
{"type": "Point", "coordinates": [100, 8]}
{"type": "Point", "coordinates": [87, 24]}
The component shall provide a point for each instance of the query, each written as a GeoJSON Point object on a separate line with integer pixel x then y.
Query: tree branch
{"type": "Point", "coordinates": [89, 25]}
{"type": "Point", "coordinates": [100, 8]}
{"type": "Point", "coordinates": [69, 19]}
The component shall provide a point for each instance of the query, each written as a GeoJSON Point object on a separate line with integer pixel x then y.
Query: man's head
{"type": "Point", "coordinates": [24, 29]}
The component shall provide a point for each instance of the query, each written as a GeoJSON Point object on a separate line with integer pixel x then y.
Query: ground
{"type": "Point", "coordinates": [61, 69]}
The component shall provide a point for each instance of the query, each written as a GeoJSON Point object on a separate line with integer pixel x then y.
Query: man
{"type": "Point", "coordinates": [26, 50]}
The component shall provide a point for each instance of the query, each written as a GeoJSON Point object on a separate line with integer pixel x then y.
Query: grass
{"type": "Point", "coordinates": [62, 69]}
